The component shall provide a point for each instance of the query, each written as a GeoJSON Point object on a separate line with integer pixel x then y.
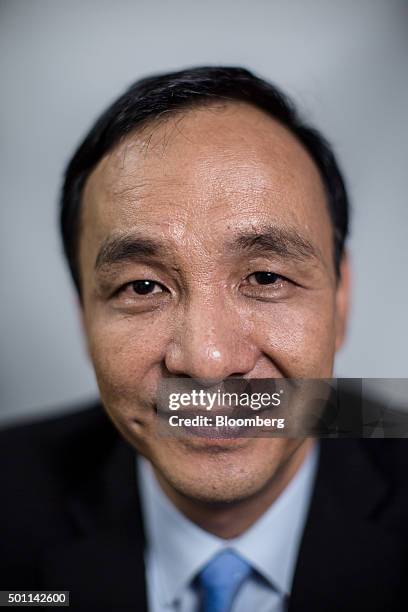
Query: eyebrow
{"type": "Point", "coordinates": [283, 242]}
{"type": "Point", "coordinates": [118, 249]}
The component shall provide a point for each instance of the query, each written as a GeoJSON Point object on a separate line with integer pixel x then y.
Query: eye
{"type": "Point", "coordinates": [139, 296]}
{"type": "Point", "coordinates": [264, 278]}
{"type": "Point", "coordinates": [146, 287]}
{"type": "Point", "coordinates": [267, 286]}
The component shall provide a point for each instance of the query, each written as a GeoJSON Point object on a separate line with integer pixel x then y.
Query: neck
{"type": "Point", "coordinates": [231, 520]}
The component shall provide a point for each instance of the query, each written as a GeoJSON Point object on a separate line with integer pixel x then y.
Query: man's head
{"type": "Point", "coordinates": [205, 225]}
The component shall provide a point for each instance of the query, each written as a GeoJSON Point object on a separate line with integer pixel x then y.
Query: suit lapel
{"type": "Point", "coordinates": [101, 561]}
{"type": "Point", "coordinates": [348, 559]}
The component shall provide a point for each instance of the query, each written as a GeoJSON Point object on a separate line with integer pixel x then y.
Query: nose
{"type": "Point", "coordinates": [211, 343]}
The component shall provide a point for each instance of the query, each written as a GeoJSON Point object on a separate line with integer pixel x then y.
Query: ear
{"type": "Point", "coordinates": [342, 301]}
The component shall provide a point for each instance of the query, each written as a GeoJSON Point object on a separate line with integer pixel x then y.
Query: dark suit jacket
{"type": "Point", "coordinates": [70, 519]}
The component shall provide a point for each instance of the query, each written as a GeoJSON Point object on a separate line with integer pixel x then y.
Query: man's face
{"type": "Point", "coordinates": [179, 225]}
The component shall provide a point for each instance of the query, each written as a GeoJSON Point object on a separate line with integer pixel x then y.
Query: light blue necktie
{"type": "Point", "coordinates": [220, 580]}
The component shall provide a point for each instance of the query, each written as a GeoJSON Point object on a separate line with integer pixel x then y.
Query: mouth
{"type": "Point", "coordinates": [221, 424]}
{"type": "Point", "coordinates": [223, 431]}
{"type": "Point", "coordinates": [224, 412]}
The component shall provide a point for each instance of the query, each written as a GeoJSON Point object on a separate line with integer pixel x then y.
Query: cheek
{"type": "Point", "coordinates": [299, 339]}
{"type": "Point", "coordinates": [125, 351]}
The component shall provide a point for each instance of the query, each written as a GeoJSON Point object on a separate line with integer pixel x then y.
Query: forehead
{"type": "Point", "coordinates": [202, 172]}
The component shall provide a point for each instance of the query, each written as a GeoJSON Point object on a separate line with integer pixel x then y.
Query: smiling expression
{"type": "Point", "coordinates": [206, 251]}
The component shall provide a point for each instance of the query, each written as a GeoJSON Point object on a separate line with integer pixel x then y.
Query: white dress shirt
{"type": "Point", "coordinates": [178, 549]}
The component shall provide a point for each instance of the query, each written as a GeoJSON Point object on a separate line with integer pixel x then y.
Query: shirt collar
{"type": "Point", "coordinates": [271, 544]}
{"type": "Point", "coordinates": [181, 548]}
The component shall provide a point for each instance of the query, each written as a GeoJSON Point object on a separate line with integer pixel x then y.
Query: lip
{"type": "Point", "coordinates": [206, 443]}
{"type": "Point", "coordinates": [224, 432]}
{"type": "Point", "coordinates": [209, 432]}
{"type": "Point", "coordinates": [203, 439]}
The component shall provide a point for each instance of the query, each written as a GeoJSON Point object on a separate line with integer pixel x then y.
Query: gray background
{"type": "Point", "coordinates": [344, 62]}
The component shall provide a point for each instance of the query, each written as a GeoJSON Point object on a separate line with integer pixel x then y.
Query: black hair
{"type": "Point", "coordinates": [151, 98]}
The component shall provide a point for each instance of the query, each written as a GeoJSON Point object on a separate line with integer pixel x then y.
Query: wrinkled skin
{"type": "Point", "coordinates": [191, 184]}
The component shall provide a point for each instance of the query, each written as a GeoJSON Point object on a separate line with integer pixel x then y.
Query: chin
{"type": "Point", "coordinates": [223, 475]}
